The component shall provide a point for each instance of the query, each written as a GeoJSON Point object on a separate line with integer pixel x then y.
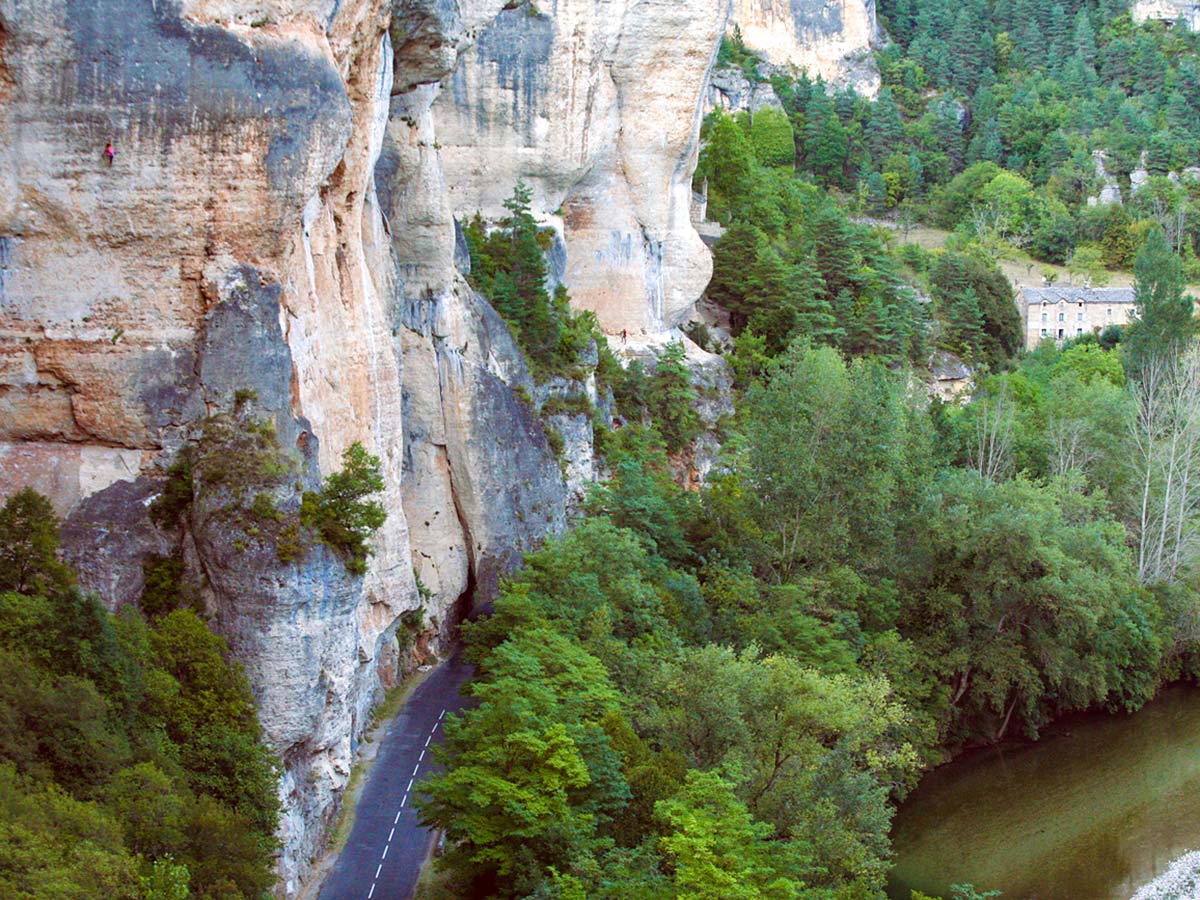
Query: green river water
{"type": "Point", "coordinates": [1096, 809]}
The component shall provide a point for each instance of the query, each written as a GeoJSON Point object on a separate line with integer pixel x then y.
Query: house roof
{"type": "Point", "coordinates": [1072, 294]}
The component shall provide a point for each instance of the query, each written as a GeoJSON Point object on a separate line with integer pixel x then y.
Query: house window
{"type": "Point", "coordinates": [1079, 331]}
{"type": "Point", "coordinates": [1045, 317]}
{"type": "Point", "coordinates": [1043, 332]}
{"type": "Point", "coordinates": [1060, 334]}
{"type": "Point", "coordinates": [1108, 312]}
{"type": "Point", "coordinates": [1062, 317]}
{"type": "Point", "coordinates": [1079, 316]}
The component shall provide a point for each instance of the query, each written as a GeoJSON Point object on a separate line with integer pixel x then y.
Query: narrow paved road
{"type": "Point", "coordinates": [382, 859]}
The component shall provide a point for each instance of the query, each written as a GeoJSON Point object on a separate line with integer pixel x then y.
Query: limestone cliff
{"type": "Point", "coordinates": [596, 104]}
{"type": "Point", "coordinates": [827, 38]}
{"type": "Point", "coordinates": [277, 223]}
{"type": "Point", "coordinates": [1187, 11]}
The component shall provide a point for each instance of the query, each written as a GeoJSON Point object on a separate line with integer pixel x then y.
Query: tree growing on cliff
{"type": "Point", "coordinates": [342, 511]}
{"type": "Point", "coordinates": [29, 546]}
{"type": "Point", "coordinates": [130, 756]}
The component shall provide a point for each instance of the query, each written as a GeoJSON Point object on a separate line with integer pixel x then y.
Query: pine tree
{"type": "Point", "coordinates": [901, 21]}
{"type": "Point", "coordinates": [947, 127]}
{"type": "Point", "coordinates": [814, 313]}
{"type": "Point", "coordinates": [1056, 37]}
{"type": "Point", "coordinates": [1085, 37]}
{"type": "Point", "coordinates": [826, 144]}
{"type": "Point", "coordinates": [528, 272]}
{"type": "Point", "coordinates": [965, 50]}
{"type": "Point", "coordinates": [885, 128]}
{"type": "Point", "coordinates": [767, 303]}
{"type": "Point", "coordinates": [1165, 319]}
{"type": "Point", "coordinates": [987, 145]}
{"type": "Point", "coordinates": [734, 259]}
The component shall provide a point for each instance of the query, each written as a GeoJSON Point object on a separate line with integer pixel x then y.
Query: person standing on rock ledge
{"type": "Point", "coordinates": [109, 153]}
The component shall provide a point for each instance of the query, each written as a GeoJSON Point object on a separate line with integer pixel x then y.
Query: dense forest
{"type": "Point", "coordinates": [723, 693]}
{"type": "Point", "coordinates": [720, 695]}
{"type": "Point", "coordinates": [992, 120]}
{"type": "Point", "coordinates": [131, 765]}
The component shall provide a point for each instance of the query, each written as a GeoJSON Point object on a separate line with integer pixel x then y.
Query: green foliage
{"type": "Point", "coordinates": [130, 757]}
{"type": "Point", "coordinates": [238, 461]}
{"type": "Point", "coordinates": [729, 772]}
{"type": "Point", "coordinates": [1029, 604]}
{"type": "Point", "coordinates": [508, 267]}
{"type": "Point", "coordinates": [342, 513]}
{"type": "Point", "coordinates": [557, 442]}
{"type": "Point", "coordinates": [28, 546]}
{"type": "Point", "coordinates": [672, 403]}
{"type": "Point", "coordinates": [1165, 320]}
{"type": "Point", "coordinates": [791, 265]}
{"type": "Point", "coordinates": [575, 403]}
{"type": "Point", "coordinates": [987, 122]}
{"type": "Point", "coordinates": [717, 849]}
{"type": "Point", "coordinates": [53, 846]}
{"type": "Point", "coordinates": [169, 507]}
{"type": "Point", "coordinates": [827, 452]}
{"type": "Point", "coordinates": [976, 306]}
{"type": "Point", "coordinates": [772, 139]}
{"type": "Point", "coordinates": [720, 695]}
{"type": "Point", "coordinates": [162, 584]}
{"type": "Point", "coordinates": [734, 53]}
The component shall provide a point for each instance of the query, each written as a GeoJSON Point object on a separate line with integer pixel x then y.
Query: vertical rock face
{"type": "Point", "coordinates": [829, 38]}
{"type": "Point", "coordinates": [278, 222]}
{"type": "Point", "coordinates": [597, 106]}
{"type": "Point", "coordinates": [234, 242]}
{"type": "Point", "coordinates": [1186, 11]}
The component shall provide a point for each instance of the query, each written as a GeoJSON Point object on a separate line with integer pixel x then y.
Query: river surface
{"type": "Point", "coordinates": [1098, 808]}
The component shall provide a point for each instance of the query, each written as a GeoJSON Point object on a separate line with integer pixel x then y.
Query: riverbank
{"type": "Point", "coordinates": [1100, 807]}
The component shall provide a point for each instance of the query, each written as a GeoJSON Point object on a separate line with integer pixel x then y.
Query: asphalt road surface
{"type": "Point", "coordinates": [382, 859]}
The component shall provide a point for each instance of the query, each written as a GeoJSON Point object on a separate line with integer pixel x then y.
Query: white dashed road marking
{"type": "Point", "coordinates": [403, 801]}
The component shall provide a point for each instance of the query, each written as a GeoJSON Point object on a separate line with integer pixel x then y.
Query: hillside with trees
{"type": "Point", "coordinates": [724, 693]}
{"type": "Point", "coordinates": [131, 762]}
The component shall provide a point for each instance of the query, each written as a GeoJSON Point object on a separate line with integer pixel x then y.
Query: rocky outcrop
{"type": "Point", "coordinates": [596, 105]}
{"type": "Point", "coordinates": [278, 224]}
{"type": "Point", "coordinates": [233, 243]}
{"type": "Point", "coordinates": [729, 89]}
{"type": "Point", "coordinates": [1186, 11]}
{"type": "Point", "coordinates": [1110, 188]}
{"type": "Point", "coordinates": [832, 40]}
{"type": "Point", "coordinates": [273, 224]}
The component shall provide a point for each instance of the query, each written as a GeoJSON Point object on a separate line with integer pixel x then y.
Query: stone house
{"type": "Point", "coordinates": [1064, 313]}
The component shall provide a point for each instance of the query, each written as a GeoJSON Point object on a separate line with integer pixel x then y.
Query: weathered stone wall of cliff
{"type": "Point", "coordinates": [245, 236]}
{"type": "Point", "coordinates": [829, 38]}
{"type": "Point", "coordinates": [1187, 11]}
{"type": "Point", "coordinates": [279, 218]}
{"type": "Point", "coordinates": [596, 105]}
